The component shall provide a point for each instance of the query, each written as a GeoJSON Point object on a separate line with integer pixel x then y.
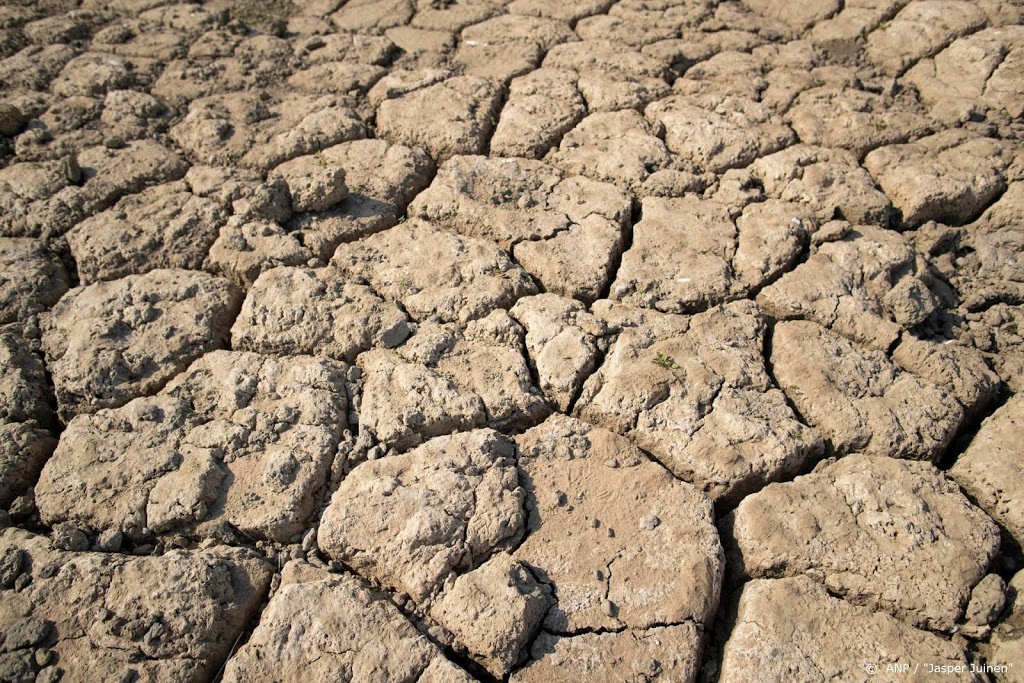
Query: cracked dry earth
{"type": "Point", "coordinates": [483, 340]}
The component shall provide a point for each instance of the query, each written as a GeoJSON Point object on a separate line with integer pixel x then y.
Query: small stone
{"type": "Point", "coordinates": [27, 632]}
{"type": "Point", "coordinates": [50, 675]}
{"type": "Point", "coordinates": [67, 537]}
{"type": "Point", "coordinates": [44, 656]}
{"type": "Point", "coordinates": [987, 600]}
{"type": "Point", "coordinates": [649, 523]}
{"type": "Point", "coordinates": [23, 507]}
{"type": "Point", "coordinates": [313, 183]}
{"type": "Point", "coordinates": [110, 540]}
{"type": "Point", "coordinates": [12, 562]}
{"type": "Point", "coordinates": [608, 607]}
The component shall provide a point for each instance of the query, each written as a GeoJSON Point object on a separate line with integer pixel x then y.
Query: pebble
{"type": "Point", "coordinates": [649, 523]}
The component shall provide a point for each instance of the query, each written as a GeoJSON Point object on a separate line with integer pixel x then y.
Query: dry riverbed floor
{"type": "Point", "coordinates": [436, 341]}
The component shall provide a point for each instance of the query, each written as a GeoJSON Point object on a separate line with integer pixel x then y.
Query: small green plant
{"type": "Point", "coordinates": [320, 158]}
{"type": "Point", "coordinates": [666, 361]}
{"type": "Point", "coordinates": [880, 124]}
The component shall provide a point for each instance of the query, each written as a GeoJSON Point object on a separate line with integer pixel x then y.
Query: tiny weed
{"type": "Point", "coordinates": [666, 361]}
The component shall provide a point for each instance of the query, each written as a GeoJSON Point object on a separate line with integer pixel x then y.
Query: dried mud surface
{"type": "Point", "coordinates": [440, 341]}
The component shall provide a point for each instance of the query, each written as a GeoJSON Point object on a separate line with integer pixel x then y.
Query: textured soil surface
{"type": "Point", "coordinates": [437, 341]}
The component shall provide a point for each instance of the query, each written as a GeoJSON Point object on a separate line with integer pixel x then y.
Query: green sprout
{"type": "Point", "coordinates": [666, 361]}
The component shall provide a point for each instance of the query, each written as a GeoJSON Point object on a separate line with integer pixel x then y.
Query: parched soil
{"type": "Point", "coordinates": [437, 341]}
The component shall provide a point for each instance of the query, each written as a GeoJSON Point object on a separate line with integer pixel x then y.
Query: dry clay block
{"type": "Point", "coordinates": [567, 233]}
{"type": "Point", "coordinates": [434, 274]}
{"type": "Point", "coordinates": [542, 106]}
{"type": "Point", "coordinates": [802, 17]}
{"type": "Point", "coordinates": [564, 342]}
{"type": "Point", "coordinates": [248, 247]}
{"type": "Point", "coordinates": [612, 76]}
{"type": "Point", "coordinates": [650, 559]}
{"type": "Point", "coordinates": [828, 181]}
{"type": "Point", "coordinates": [793, 630]}
{"type": "Point", "coordinates": [869, 286]}
{"type": "Point", "coordinates": [428, 524]}
{"type": "Point", "coordinates": [1005, 645]}
{"type": "Point", "coordinates": [24, 449]}
{"type": "Point", "coordinates": [990, 469]}
{"type": "Point", "coordinates": [660, 653]}
{"type": "Point", "coordinates": [23, 390]}
{"type": "Point", "coordinates": [455, 116]}
{"type": "Point", "coordinates": [617, 147]}
{"type": "Point", "coordinates": [444, 379]}
{"type": "Point", "coordinates": [890, 534]}
{"type": "Point", "coordinates": [313, 183]}
{"type": "Point", "coordinates": [493, 612]}
{"type": "Point", "coordinates": [115, 617]}
{"type": "Point", "coordinates": [694, 392]}
{"type": "Point", "coordinates": [863, 401]}
{"type": "Point", "coordinates": [855, 120]}
{"type": "Point", "coordinates": [162, 227]}
{"type": "Point", "coordinates": [410, 521]}
{"type": "Point", "coordinates": [380, 171]}
{"type": "Point", "coordinates": [31, 280]}
{"type": "Point", "coordinates": [976, 74]}
{"type": "Point", "coordinates": [314, 310]}
{"type": "Point", "coordinates": [354, 634]}
{"type": "Point", "coordinates": [950, 176]}
{"type": "Point", "coordinates": [690, 254]}
{"type": "Point", "coordinates": [254, 131]}
{"type": "Point", "coordinates": [381, 178]}
{"type": "Point", "coordinates": [715, 133]}
{"type": "Point", "coordinates": [46, 199]}
{"type": "Point", "coordinates": [109, 342]}
{"type": "Point", "coordinates": [239, 440]}
{"type": "Point", "coordinates": [989, 270]}
{"type": "Point", "coordinates": [920, 30]}
{"type": "Point", "coordinates": [25, 412]}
